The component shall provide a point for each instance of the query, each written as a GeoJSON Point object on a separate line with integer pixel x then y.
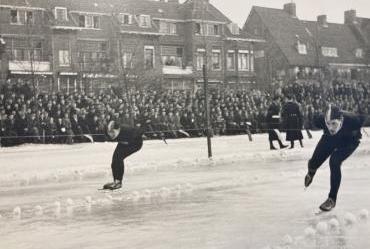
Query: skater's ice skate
{"type": "Point", "coordinates": [308, 179]}
{"type": "Point", "coordinates": [328, 205]}
{"type": "Point", "coordinates": [113, 185]}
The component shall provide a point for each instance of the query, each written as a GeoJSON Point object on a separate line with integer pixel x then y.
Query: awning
{"type": "Point", "coordinates": [30, 73]}
{"type": "Point", "coordinates": [98, 75]}
{"type": "Point", "coordinates": [68, 74]}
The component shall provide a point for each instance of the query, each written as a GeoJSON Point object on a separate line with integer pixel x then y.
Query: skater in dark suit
{"type": "Point", "coordinates": [342, 134]}
{"type": "Point", "coordinates": [129, 140]}
{"type": "Point", "coordinates": [273, 124]}
{"type": "Point", "coordinates": [293, 121]}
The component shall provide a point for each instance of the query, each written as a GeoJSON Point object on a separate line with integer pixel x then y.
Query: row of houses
{"type": "Point", "coordinates": [93, 43]}
{"type": "Point", "coordinates": [296, 49]}
{"type": "Point", "coordinates": [138, 41]}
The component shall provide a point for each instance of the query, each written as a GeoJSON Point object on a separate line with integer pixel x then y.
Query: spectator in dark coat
{"type": "Point", "coordinates": [273, 124]}
{"type": "Point", "coordinates": [293, 121]}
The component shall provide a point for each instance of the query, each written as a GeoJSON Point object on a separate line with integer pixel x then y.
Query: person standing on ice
{"type": "Point", "coordinates": [293, 121]}
{"type": "Point", "coordinates": [273, 124]}
{"type": "Point", "coordinates": [342, 134]}
{"type": "Point", "coordinates": [130, 140]}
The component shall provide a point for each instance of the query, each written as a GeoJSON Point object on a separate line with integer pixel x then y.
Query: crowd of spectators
{"type": "Point", "coordinates": [26, 117]}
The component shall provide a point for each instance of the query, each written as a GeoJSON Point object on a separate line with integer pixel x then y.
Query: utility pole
{"type": "Point", "coordinates": [205, 84]}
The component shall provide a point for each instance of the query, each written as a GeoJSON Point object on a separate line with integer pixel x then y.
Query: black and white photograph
{"type": "Point", "coordinates": [184, 124]}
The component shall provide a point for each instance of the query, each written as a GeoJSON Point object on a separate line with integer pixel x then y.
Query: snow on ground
{"type": "Point", "coordinates": [174, 197]}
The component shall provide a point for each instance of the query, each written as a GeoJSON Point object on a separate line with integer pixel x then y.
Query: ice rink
{"type": "Point", "coordinates": [174, 197]}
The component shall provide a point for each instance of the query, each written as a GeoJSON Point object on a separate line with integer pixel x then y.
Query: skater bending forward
{"type": "Point", "coordinates": [129, 140]}
{"type": "Point", "coordinates": [342, 134]}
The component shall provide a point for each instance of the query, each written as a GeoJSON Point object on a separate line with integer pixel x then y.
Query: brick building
{"type": "Point", "coordinates": [298, 49]}
{"type": "Point", "coordinates": [92, 43]}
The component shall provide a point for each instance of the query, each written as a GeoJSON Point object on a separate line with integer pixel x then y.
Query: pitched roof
{"type": "Point", "coordinates": [210, 13]}
{"type": "Point", "coordinates": [338, 36]}
{"type": "Point", "coordinates": [287, 30]}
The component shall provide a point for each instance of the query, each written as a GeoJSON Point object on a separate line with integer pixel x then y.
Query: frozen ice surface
{"type": "Point", "coordinates": [174, 197]}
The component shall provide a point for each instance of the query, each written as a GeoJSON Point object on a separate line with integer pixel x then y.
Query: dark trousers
{"type": "Point", "coordinates": [120, 153]}
{"type": "Point", "coordinates": [328, 147]}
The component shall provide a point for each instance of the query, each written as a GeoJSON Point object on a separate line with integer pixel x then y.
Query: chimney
{"type": "Point", "coordinates": [322, 20]}
{"type": "Point", "coordinates": [350, 17]}
{"type": "Point", "coordinates": [291, 9]}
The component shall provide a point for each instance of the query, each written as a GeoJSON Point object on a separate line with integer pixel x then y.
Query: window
{"type": "Point", "coordinates": [14, 17]}
{"type": "Point", "coordinates": [234, 28]}
{"type": "Point", "coordinates": [329, 52]}
{"type": "Point", "coordinates": [230, 60]}
{"type": "Point", "coordinates": [213, 29]}
{"type": "Point", "coordinates": [198, 29]}
{"type": "Point", "coordinates": [251, 64]}
{"type": "Point", "coordinates": [96, 22]}
{"type": "Point", "coordinates": [92, 55]}
{"type": "Point", "coordinates": [149, 57]}
{"type": "Point", "coordinates": [125, 19]}
{"type": "Point", "coordinates": [144, 21]}
{"type": "Point", "coordinates": [216, 59]}
{"type": "Point", "coordinates": [243, 60]}
{"type": "Point", "coordinates": [172, 56]}
{"type": "Point", "coordinates": [22, 50]}
{"type": "Point", "coordinates": [167, 27]}
{"type": "Point", "coordinates": [91, 22]}
{"type": "Point", "coordinates": [302, 48]}
{"type": "Point", "coordinates": [207, 29]}
{"type": "Point", "coordinates": [127, 59]}
{"type": "Point", "coordinates": [359, 53]}
{"type": "Point", "coordinates": [60, 14]}
{"type": "Point", "coordinates": [81, 21]}
{"type": "Point", "coordinates": [88, 22]}
{"type": "Point", "coordinates": [201, 58]}
{"type": "Point", "coordinates": [28, 16]}
{"type": "Point", "coordinates": [64, 59]}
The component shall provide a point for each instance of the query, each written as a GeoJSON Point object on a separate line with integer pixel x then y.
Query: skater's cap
{"type": "Point", "coordinates": [333, 112]}
{"type": "Point", "coordinates": [113, 125]}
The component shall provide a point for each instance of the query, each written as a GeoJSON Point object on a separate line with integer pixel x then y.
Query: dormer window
{"type": "Point", "coordinates": [125, 18]}
{"type": "Point", "coordinates": [329, 52]}
{"type": "Point", "coordinates": [234, 28]}
{"type": "Point", "coordinates": [60, 14]}
{"type": "Point", "coordinates": [14, 17]}
{"type": "Point", "coordinates": [144, 21]}
{"type": "Point", "coordinates": [359, 53]}
{"type": "Point", "coordinates": [88, 21]}
{"type": "Point", "coordinates": [167, 27]}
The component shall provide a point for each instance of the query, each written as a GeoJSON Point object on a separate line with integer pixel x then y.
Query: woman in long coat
{"type": "Point", "coordinates": [293, 122]}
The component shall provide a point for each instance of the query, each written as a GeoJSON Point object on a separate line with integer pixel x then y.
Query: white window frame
{"type": "Point", "coordinates": [26, 17]}
{"type": "Point", "coordinates": [240, 53]}
{"type": "Point", "coordinates": [359, 53]}
{"type": "Point", "coordinates": [200, 65]}
{"type": "Point", "coordinates": [172, 27]}
{"type": "Point", "coordinates": [127, 60]}
{"type": "Point", "coordinates": [121, 18]}
{"type": "Point", "coordinates": [18, 17]}
{"type": "Point", "coordinates": [153, 62]}
{"type": "Point", "coordinates": [65, 13]}
{"type": "Point", "coordinates": [233, 58]}
{"type": "Point", "coordinates": [217, 51]}
{"type": "Point", "coordinates": [141, 18]}
{"type": "Point", "coordinates": [302, 48]}
{"type": "Point", "coordinates": [64, 61]}
{"type": "Point", "coordinates": [329, 51]}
